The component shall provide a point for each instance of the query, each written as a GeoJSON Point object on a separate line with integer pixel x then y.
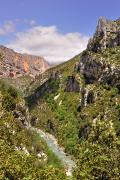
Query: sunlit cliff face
{"type": "Point", "coordinates": [26, 66]}
{"type": "Point", "coordinates": [16, 64]}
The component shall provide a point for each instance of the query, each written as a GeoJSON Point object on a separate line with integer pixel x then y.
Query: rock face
{"type": "Point", "coordinates": [72, 84]}
{"type": "Point", "coordinates": [87, 97]}
{"type": "Point", "coordinates": [49, 86]}
{"type": "Point", "coordinates": [90, 68]}
{"type": "Point", "coordinates": [96, 63]}
{"type": "Point", "coordinates": [15, 64]}
{"type": "Point", "coordinates": [107, 35]}
{"type": "Point", "coordinates": [84, 131]}
{"type": "Point", "coordinates": [21, 114]}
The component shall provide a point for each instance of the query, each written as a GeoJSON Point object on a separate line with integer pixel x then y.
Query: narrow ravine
{"type": "Point", "coordinates": [66, 160]}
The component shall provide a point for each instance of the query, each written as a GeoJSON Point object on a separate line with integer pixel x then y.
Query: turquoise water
{"type": "Point", "coordinates": [57, 150]}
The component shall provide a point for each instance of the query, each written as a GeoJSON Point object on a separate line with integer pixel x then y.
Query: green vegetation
{"type": "Point", "coordinates": [52, 160]}
{"type": "Point", "coordinates": [65, 69]}
{"type": "Point", "coordinates": [106, 105]}
{"type": "Point", "coordinates": [98, 156]}
{"type": "Point", "coordinates": [110, 56]}
{"type": "Point", "coordinates": [61, 114]}
{"type": "Point", "coordinates": [19, 146]}
{"type": "Point", "coordinates": [20, 82]}
{"type": "Point", "coordinates": [77, 130]}
{"type": "Point", "coordinates": [89, 131]}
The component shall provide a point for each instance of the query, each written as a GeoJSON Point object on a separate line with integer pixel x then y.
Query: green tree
{"type": "Point", "coordinates": [99, 155]}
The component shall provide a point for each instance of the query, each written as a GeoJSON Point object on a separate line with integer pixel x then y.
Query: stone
{"type": "Point", "coordinates": [99, 70]}
{"type": "Point", "coordinates": [84, 131]}
{"type": "Point", "coordinates": [51, 127]}
{"type": "Point", "coordinates": [33, 120]}
{"type": "Point", "coordinates": [90, 97]}
{"type": "Point", "coordinates": [72, 85]}
{"type": "Point", "coordinates": [107, 35]}
{"type": "Point", "coordinates": [14, 64]}
{"type": "Point", "coordinates": [87, 97]}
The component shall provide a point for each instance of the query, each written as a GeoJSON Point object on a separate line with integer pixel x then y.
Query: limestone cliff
{"type": "Point", "coordinates": [101, 60]}
{"type": "Point", "coordinates": [15, 64]}
{"type": "Point", "coordinates": [107, 35]}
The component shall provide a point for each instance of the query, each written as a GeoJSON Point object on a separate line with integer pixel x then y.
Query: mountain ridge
{"type": "Point", "coordinates": [14, 64]}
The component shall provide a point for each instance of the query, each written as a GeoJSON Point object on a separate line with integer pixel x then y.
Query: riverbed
{"type": "Point", "coordinates": [51, 141]}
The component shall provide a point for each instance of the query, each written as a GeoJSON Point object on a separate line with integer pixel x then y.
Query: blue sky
{"type": "Point", "coordinates": [20, 17]}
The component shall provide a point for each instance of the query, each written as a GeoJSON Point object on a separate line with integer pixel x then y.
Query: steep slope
{"type": "Point", "coordinates": [23, 154]}
{"type": "Point", "coordinates": [16, 65]}
{"type": "Point", "coordinates": [78, 102]}
{"type": "Point", "coordinates": [107, 35]}
{"type": "Point", "coordinates": [101, 61]}
{"type": "Point", "coordinates": [70, 99]}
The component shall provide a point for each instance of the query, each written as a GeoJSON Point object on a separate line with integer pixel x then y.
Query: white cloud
{"type": "Point", "coordinates": [48, 42]}
{"type": "Point", "coordinates": [7, 28]}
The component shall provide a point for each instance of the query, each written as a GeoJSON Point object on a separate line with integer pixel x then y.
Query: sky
{"type": "Point", "coordinates": [54, 29]}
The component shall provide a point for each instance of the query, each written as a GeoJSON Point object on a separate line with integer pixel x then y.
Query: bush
{"type": "Point", "coordinates": [98, 157]}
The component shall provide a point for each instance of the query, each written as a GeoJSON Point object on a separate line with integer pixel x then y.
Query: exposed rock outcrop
{"type": "Point", "coordinates": [87, 97]}
{"type": "Point", "coordinates": [95, 69]}
{"type": "Point", "coordinates": [96, 63]}
{"type": "Point", "coordinates": [21, 114]}
{"type": "Point", "coordinates": [84, 131]}
{"type": "Point", "coordinates": [72, 84]}
{"type": "Point", "coordinates": [15, 64]}
{"type": "Point", "coordinates": [107, 35]}
{"type": "Point", "coordinates": [90, 98]}
{"type": "Point", "coordinates": [50, 85]}
{"type": "Point", "coordinates": [90, 68]}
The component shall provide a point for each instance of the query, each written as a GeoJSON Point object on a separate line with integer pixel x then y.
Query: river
{"type": "Point", "coordinates": [66, 160]}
